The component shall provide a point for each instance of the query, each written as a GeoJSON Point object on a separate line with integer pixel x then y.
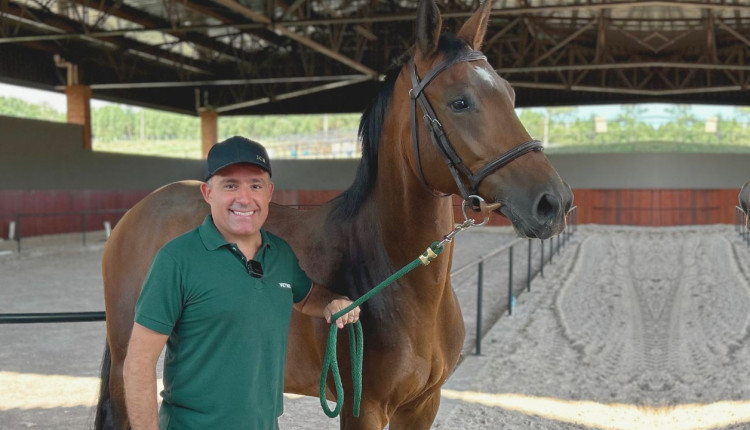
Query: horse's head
{"type": "Point", "coordinates": [468, 139]}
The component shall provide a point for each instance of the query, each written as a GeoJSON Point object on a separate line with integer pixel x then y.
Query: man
{"type": "Point", "coordinates": [220, 297]}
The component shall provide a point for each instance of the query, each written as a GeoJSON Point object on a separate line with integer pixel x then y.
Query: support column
{"type": "Point", "coordinates": [79, 110]}
{"type": "Point", "coordinates": [209, 129]}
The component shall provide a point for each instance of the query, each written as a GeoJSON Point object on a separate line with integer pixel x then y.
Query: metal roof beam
{"type": "Point", "coordinates": [65, 24]}
{"type": "Point", "coordinates": [615, 66]}
{"type": "Point", "coordinates": [733, 32]}
{"type": "Point", "coordinates": [206, 7]}
{"type": "Point", "coordinates": [221, 82]}
{"type": "Point", "coordinates": [523, 11]}
{"type": "Point", "coordinates": [564, 42]}
{"type": "Point", "coordinates": [129, 13]}
{"type": "Point", "coordinates": [292, 94]}
{"type": "Point", "coordinates": [303, 40]}
{"type": "Point", "coordinates": [615, 90]}
{"type": "Point", "coordinates": [112, 33]}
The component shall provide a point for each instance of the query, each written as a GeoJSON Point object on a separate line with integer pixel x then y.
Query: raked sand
{"type": "Point", "coordinates": [631, 328]}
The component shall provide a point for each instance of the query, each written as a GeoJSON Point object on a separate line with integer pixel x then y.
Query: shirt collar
{"type": "Point", "coordinates": [213, 240]}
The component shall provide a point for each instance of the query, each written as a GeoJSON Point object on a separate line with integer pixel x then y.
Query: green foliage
{"type": "Point", "coordinates": [118, 128]}
{"type": "Point", "coordinates": [19, 108]}
{"type": "Point", "coordinates": [271, 126]}
{"type": "Point", "coordinates": [632, 130]}
{"type": "Point", "coordinates": [117, 123]}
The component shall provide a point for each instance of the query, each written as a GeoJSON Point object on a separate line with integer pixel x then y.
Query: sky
{"type": "Point", "coordinates": [654, 111]}
{"type": "Point", "coordinates": [54, 99]}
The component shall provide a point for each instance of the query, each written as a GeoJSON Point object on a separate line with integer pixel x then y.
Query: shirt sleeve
{"type": "Point", "coordinates": [160, 303]}
{"type": "Point", "coordinates": [301, 283]}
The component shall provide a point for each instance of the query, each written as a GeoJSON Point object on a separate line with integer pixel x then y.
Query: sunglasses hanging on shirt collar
{"type": "Point", "coordinates": [254, 269]}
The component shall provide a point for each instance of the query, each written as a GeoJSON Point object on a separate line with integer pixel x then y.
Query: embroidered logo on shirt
{"type": "Point", "coordinates": [284, 285]}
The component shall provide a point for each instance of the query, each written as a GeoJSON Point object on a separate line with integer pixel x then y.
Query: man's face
{"type": "Point", "coordinates": [239, 196]}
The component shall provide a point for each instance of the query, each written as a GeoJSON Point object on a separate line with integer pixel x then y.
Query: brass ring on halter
{"type": "Point", "coordinates": [482, 207]}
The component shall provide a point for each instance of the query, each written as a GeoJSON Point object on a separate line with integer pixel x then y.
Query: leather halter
{"type": "Point", "coordinates": [440, 140]}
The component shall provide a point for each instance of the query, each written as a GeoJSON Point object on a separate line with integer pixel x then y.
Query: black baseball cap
{"type": "Point", "coordinates": [236, 150]}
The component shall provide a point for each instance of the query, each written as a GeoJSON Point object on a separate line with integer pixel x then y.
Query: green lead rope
{"type": "Point", "coordinates": [356, 346]}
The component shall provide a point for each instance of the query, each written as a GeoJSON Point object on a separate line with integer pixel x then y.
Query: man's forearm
{"type": "Point", "coordinates": [317, 301]}
{"type": "Point", "coordinates": [140, 394]}
{"type": "Point", "coordinates": [323, 303]}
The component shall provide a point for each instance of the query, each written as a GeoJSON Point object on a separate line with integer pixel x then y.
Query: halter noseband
{"type": "Point", "coordinates": [440, 140]}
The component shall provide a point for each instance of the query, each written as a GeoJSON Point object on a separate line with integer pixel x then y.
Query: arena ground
{"type": "Point", "coordinates": [631, 328]}
{"type": "Point", "coordinates": [48, 372]}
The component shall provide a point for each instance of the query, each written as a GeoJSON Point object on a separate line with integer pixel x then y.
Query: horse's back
{"type": "Point", "coordinates": [161, 216]}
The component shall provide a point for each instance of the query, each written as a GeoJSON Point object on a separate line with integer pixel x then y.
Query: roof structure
{"type": "Point", "coordinates": [313, 56]}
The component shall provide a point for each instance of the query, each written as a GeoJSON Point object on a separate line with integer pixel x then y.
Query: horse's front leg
{"type": "Point", "coordinates": [372, 416]}
{"type": "Point", "coordinates": [417, 415]}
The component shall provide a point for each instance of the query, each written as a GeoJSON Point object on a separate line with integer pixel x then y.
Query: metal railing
{"type": "Point", "coordinates": [555, 244]}
{"type": "Point", "coordinates": [83, 216]}
{"type": "Point", "coordinates": [739, 224]}
{"type": "Point", "coordinates": [53, 317]}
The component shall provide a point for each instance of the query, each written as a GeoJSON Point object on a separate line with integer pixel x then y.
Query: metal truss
{"type": "Point", "coordinates": [261, 56]}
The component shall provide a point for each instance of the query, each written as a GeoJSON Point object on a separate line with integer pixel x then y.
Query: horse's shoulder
{"type": "Point", "coordinates": [315, 242]}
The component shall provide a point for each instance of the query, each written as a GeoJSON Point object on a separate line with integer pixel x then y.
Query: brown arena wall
{"type": "Point", "coordinates": [651, 208]}
{"type": "Point", "coordinates": [40, 212]}
{"type": "Point", "coordinates": [656, 207]}
{"type": "Point", "coordinates": [44, 169]}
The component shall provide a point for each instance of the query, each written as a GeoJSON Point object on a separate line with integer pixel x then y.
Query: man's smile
{"type": "Point", "coordinates": [242, 214]}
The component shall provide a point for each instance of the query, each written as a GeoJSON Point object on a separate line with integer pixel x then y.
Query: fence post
{"type": "Point", "coordinates": [736, 220]}
{"type": "Point", "coordinates": [511, 300]}
{"type": "Point", "coordinates": [541, 258]}
{"type": "Point", "coordinates": [480, 282]}
{"type": "Point", "coordinates": [18, 232]}
{"type": "Point", "coordinates": [551, 240]}
{"type": "Point", "coordinates": [528, 270]}
{"type": "Point", "coordinates": [83, 228]}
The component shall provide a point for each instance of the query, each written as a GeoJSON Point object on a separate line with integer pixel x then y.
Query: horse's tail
{"type": "Point", "coordinates": [105, 419]}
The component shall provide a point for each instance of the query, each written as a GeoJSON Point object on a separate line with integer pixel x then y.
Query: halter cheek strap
{"type": "Point", "coordinates": [461, 174]}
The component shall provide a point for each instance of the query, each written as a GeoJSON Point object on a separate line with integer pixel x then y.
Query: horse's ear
{"type": "Point", "coordinates": [475, 28]}
{"type": "Point", "coordinates": [429, 24]}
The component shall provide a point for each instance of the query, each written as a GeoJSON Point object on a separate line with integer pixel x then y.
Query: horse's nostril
{"type": "Point", "coordinates": [547, 208]}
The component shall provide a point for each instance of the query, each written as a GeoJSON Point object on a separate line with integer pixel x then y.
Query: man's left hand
{"type": "Point", "coordinates": [337, 305]}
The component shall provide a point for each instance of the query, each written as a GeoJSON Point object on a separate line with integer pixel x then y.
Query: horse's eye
{"type": "Point", "coordinates": [459, 105]}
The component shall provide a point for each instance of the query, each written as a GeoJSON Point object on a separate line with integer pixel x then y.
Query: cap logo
{"type": "Point", "coordinates": [258, 157]}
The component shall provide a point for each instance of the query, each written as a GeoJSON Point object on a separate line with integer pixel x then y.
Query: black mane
{"type": "Point", "coordinates": [347, 205]}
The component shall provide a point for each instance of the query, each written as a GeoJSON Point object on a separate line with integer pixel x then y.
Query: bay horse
{"type": "Point", "coordinates": [744, 198]}
{"type": "Point", "coordinates": [395, 208]}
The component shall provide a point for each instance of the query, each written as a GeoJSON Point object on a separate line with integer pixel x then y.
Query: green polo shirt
{"type": "Point", "coordinates": [224, 365]}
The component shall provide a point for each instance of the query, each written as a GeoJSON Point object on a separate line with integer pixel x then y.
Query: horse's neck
{"type": "Point", "coordinates": [411, 217]}
{"type": "Point", "coordinates": [407, 219]}
{"type": "Point", "coordinates": [390, 231]}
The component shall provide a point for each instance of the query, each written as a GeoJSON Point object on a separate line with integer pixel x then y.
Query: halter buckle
{"type": "Point", "coordinates": [479, 205]}
{"type": "Point", "coordinates": [433, 125]}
